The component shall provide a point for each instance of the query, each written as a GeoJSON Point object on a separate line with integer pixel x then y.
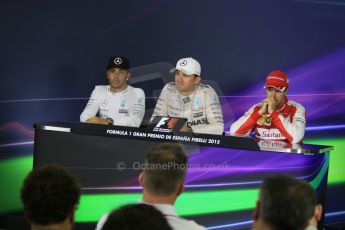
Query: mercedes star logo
{"type": "Point", "coordinates": [183, 63]}
{"type": "Point", "coordinates": [104, 102]}
{"type": "Point", "coordinates": [118, 61]}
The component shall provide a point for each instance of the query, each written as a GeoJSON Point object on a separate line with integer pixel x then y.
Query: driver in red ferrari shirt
{"type": "Point", "coordinates": [276, 117]}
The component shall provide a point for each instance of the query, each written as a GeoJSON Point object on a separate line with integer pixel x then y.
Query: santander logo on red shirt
{"type": "Point", "coordinates": [273, 134]}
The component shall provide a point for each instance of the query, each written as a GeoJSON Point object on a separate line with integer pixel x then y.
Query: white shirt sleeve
{"type": "Point", "coordinates": [293, 131]}
{"type": "Point", "coordinates": [245, 124]}
{"type": "Point", "coordinates": [92, 106]}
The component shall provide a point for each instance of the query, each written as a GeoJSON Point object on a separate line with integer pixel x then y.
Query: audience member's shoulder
{"type": "Point", "coordinates": [193, 225]}
{"type": "Point", "coordinates": [102, 221]}
{"type": "Point", "coordinates": [180, 223]}
{"type": "Point", "coordinates": [311, 227]}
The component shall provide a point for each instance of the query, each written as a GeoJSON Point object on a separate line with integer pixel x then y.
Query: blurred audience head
{"type": "Point", "coordinates": [136, 216]}
{"type": "Point", "coordinates": [50, 195]}
{"type": "Point", "coordinates": [286, 203]}
{"type": "Point", "coordinates": [165, 170]}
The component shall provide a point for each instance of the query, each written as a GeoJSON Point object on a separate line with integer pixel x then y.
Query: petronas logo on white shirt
{"type": "Point", "coordinates": [123, 103]}
{"type": "Point", "coordinates": [197, 101]}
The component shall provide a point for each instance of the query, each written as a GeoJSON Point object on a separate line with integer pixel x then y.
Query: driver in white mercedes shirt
{"type": "Point", "coordinates": [188, 98]}
{"type": "Point", "coordinates": [117, 103]}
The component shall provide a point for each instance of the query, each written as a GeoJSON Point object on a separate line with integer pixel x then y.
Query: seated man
{"type": "Point", "coordinates": [50, 196]}
{"type": "Point", "coordinates": [187, 98]}
{"type": "Point", "coordinates": [286, 203]}
{"type": "Point", "coordinates": [136, 216]}
{"type": "Point", "coordinates": [117, 103]}
{"type": "Point", "coordinates": [276, 117]}
{"type": "Point", "coordinates": [163, 181]}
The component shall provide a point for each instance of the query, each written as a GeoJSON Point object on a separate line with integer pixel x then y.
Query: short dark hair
{"type": "Point", "coordinates": [136, 216]}
{"type": "Point", "coordinates": [49, 195]}
{"type": "Point", "coordinates": [287, 203]}
{"type": "Point", "coordinates": [165, 168]}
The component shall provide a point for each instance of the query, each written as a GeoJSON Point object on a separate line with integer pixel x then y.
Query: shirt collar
{"type": "Point", "coordinates": [284, 105]}
{"type": "Point", "coordinates": [123, 91]}
{"type": "Point", "coordinates": [165, 209]}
